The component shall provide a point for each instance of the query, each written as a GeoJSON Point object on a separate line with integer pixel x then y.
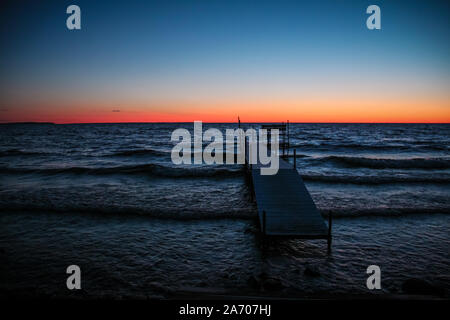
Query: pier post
{"type": "Point", "coordinates": [288, 144]}
{"type": "Point", "coordinates": [329, 232]}
{"type": "Point", "coordinates": [249, 155]}
{"type": "Point", "coordinates": [264, 222]}
{"type": "Point", "coordinates": [245, 152]}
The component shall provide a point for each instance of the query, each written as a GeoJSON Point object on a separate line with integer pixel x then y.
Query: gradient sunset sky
{"type": "Point", "coordinates": [139, 61]}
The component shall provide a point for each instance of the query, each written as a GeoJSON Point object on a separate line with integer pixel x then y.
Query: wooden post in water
{"type": "Point", "coordinates": [329, 232]}
{"type": "Point", "coordinates": [288, 145]}
{"type": "Point", "coordinates": [249, 154]}
{"type": "Point", "coordinates": [264, 222]}
{"type": "Point", "coordinates": [245, 152]}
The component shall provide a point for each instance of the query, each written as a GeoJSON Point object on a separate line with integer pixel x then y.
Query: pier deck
{"type": "Point", "coordinates": [285, 207]}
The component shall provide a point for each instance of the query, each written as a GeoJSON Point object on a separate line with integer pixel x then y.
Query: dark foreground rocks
{"type": "Point", "coordinates": [421, 287]}
{"type": "Point", "coordinates": [311, 271]}
{"type": "Point", "coordinates": [263, 282]}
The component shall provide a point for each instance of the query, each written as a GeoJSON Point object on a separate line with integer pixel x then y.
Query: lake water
{"type": "Point", "coordinates": [108, 198]}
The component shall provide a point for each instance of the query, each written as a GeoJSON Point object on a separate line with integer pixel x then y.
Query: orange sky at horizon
{"type": "Point", "coordinates": [344, 111]}
{"type": "Point", "coordinates": [184, 62]}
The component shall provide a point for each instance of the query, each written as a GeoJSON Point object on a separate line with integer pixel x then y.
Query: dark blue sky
{"type": "Point", "coordinates": [209, 51]}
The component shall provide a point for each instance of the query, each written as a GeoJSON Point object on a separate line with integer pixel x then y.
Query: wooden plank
{"type": "Point", "coordinates": [289, 209]}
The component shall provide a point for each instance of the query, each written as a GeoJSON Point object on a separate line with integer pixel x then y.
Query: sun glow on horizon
{"type": "Point", "coordinates": [314, 111]}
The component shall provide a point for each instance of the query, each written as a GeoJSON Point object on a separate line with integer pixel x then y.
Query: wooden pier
{"type": "Point", "coordinates": [285, 207]}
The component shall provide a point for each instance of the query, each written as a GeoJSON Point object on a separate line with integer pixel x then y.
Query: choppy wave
{"type": "Point", "coordinates": [18, 152]}
{"type": "Point", "coordinates": [382, 212]}
{"type": "Point", "coordinates": [375, 180]}
{"type": "Point", "coordinates": [369, 147]}
{"type": "Point", "coordinates": [353, 146]}
{"type": "Point", "coordinates": [145, 169]}
{"type": "Point", "coordinates": [138, 152]}
{"type": "Point", "coordinates": [168, 214]}
{"type": "Point", "coordinates": [374, 163]}
{"type": "Point", "coordinates": [205, 214]}
{"type": "Point", "coordinates": [152, 152]}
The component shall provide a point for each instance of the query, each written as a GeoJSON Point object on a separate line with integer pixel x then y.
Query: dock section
{"type": "Point", "coordinates": [285, 207]}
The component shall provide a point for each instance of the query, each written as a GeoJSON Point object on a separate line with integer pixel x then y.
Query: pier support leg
{"type": "Point", "coordinates": [329, 232]}
{"type": "Point", "coordinates": [245, 153]}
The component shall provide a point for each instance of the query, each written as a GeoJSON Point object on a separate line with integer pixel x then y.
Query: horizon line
{"type": "Point", "coordinates": [235, 122]}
